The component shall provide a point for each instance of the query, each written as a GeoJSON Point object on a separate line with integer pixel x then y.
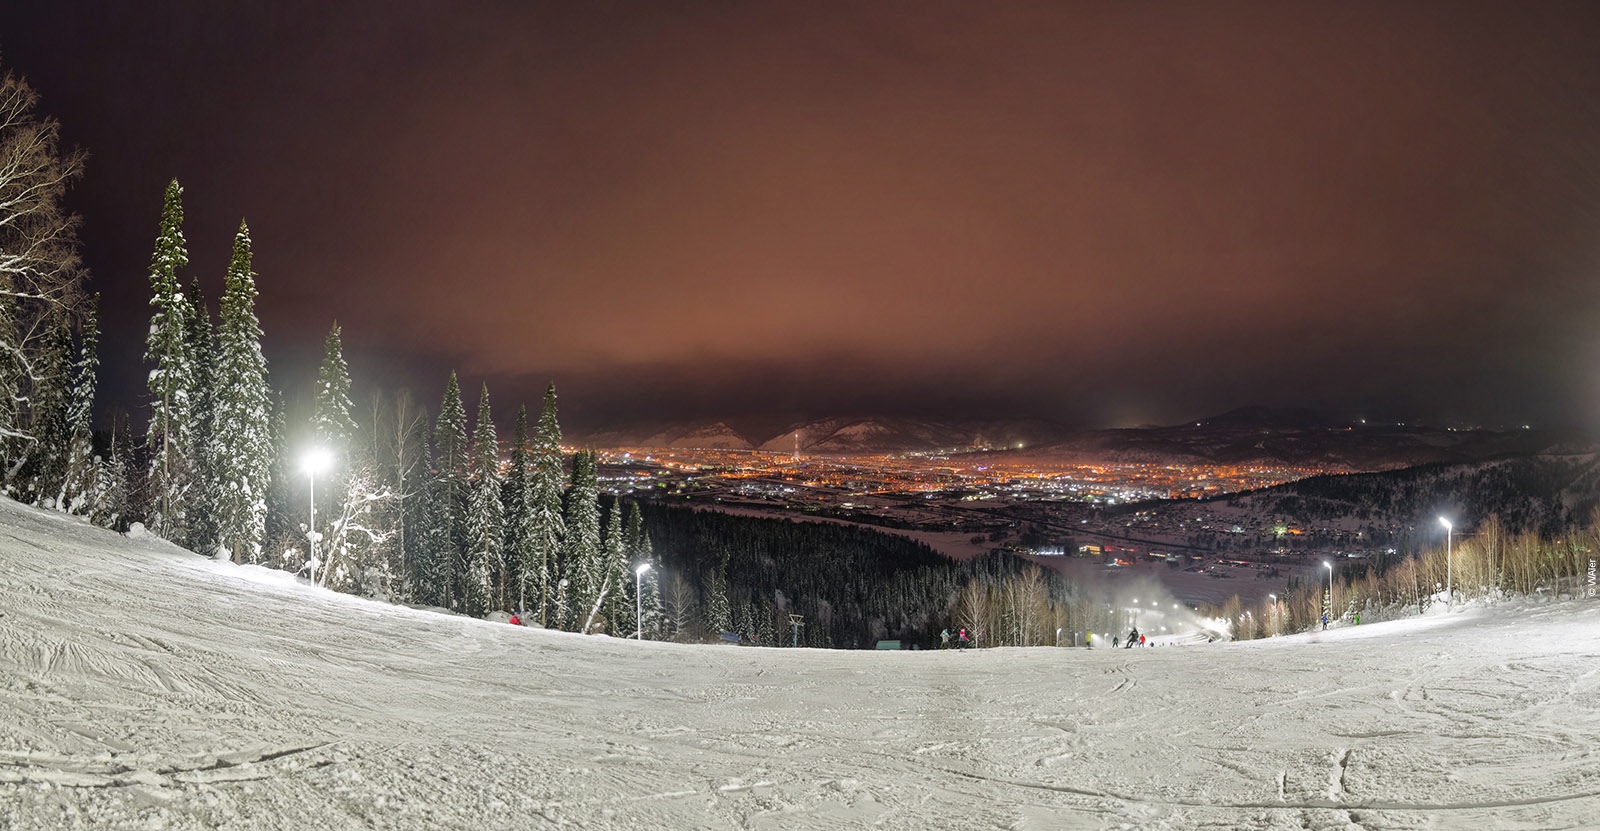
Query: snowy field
{"type": "Point", "coordinates": [142, 687]}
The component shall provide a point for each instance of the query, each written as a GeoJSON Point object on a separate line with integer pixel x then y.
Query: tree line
{"type": "Point", "coordinates": [400, 511]}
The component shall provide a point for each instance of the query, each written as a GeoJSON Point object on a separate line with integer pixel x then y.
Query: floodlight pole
{"type": "Point", "coordinates": [311, 525]}
{"type": "Point", "coordinates": [1449, 582]}
{"type": "Point", "coordinates": [1330, 588]}
{"type": "Point", "coordinates": [638, 600]}
{"type": "Point", "coordinates": [316, 459]}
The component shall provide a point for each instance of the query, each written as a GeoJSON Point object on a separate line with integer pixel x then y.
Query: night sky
{"type": "Point", "coordinates": [1104, 214]}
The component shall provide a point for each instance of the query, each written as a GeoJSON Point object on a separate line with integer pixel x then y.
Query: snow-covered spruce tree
{"type": "Point", "coordinates": [486, 520]}
{"type": "Point", "coordinates": [719, 615]}
{"type": "Point", "coordinates": [431, 554]}
{"type": "Point", "coordinates": [360, 526]}
{"type": "Point", "coordinates": [619, 614]}
{"type": "Point", "coordinates": [41, 277]}
{"type": "Point", "coordinates": [286, 545]}
{"type": "Point", "coordinates": [201, 506]}
{"type": "Point", "coordinates": [581, 562]}
{"type": "Point", "coordinates": [117, 475]}
{"type": "Point", "coordinates": [639, 551]}
{"type": "Point", "coordinates": [335, 428]}
{"type": "Point", "coordinates": [45, 470]}
{"type": "Point", "coordinates": [333, 433]}
{"type": "Point", "coordinates": [548, 523]}
{"type": "Point", "coordinates": [523, 574]}
{"type": "Point", "coordinates": [243, 421]}
{"type": "Point", "coordinates": [453, 473]}
{"type": "Point", "coordinates": [79, 491]}
{"type": "Point", "coordinates": [170, 435]}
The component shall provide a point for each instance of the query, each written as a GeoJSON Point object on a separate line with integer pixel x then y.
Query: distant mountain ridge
{"type": "Point", "coordinates": [1255, 436]}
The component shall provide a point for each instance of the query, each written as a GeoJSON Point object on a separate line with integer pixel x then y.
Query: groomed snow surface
{"type": "Point", "coordinates": [144, 687]}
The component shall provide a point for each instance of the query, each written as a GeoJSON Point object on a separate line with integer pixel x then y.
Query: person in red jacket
{"type": "Point", "coordinates": [515, 621]}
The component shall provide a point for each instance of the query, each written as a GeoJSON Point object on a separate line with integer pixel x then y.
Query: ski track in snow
{"type": "Point", "coordinates": [144, 687]}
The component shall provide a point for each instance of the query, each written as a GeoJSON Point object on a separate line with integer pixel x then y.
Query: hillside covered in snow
{"type": "Point", "coordinates": [145, 687]}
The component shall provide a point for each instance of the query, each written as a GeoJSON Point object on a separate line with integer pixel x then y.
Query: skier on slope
{"type": "Point", "coordinates": [962, 639]}
{"type": "Point", "coordinates": [515, 620]}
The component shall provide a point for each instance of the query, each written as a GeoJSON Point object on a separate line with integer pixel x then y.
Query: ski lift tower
{"type": "Point", "coordinates": [796, 622]}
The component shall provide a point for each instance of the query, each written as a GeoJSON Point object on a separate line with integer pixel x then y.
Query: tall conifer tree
{"type": "Point", "coordinates": [333, 428]}
{"type": "Point", "coordinates": [618, 580]}
{"type": "Point", "coordinates": [486, 521]}
{"type": "Point", "coordinates": [243, 421]}
{"type": "Point", "coordinates": [453, 471]}
{"type": "Point", "coordinates": [649, 585]}
{"type": "Point", "coordinates": [429, 541]}
{"type": "Point", "coordinates": [202, 529]}
{"type": "Point", "coordinates": [524, 569]}
{"type": "Point", "coordinates": [286, 515]}
{"type": "Point", "coordinates": [80, 489]}
{"type": "Point", "coordinates": [548, 527]}
{"type": "Point", "coordinates": [50, 405]}
{"type": "Point", "coordinates": [170, 435]}
{"type": "Point", "coordinates": [583, 563]}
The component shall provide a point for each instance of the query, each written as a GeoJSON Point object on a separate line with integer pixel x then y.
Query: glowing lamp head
{"type": "Point", "coordinates": [1445, 523]}
{"type": "Point", "coordinates": [316, 460]}
{"type": "Point", "coordinates": [1328, 566]}
{"type": "Point", "coordinates": [643, 567]}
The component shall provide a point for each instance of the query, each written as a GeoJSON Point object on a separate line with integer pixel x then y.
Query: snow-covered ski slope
{"type": "Point", "coordinates": [143, 687]}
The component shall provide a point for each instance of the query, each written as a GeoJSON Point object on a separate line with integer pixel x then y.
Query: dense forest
{"type": "Point", "coordinates": [1544, 494]}
{"type": "Point", "coordinates": [852, 586]}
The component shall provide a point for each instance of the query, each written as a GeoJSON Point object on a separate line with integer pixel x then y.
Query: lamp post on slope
{"type": "Point", "coordinates": [315, 461]}
{"type": "Point", "coordinates": [638, 600]}
{"type": "Point", "coordinates": [1329, 566]}
{"type": "Point", "coordinates": [1449, 587]}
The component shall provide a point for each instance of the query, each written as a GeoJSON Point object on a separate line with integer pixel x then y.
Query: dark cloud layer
{"type": "Point", "coordinates": [1096, 212]}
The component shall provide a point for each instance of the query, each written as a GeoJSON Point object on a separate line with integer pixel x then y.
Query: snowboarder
{"type": "Point", "coordinates": [1133, 636]}
{"type": "Point", "coordinates": [515, 621]}
{"type": "Point", "coordinates": [1115, 641]}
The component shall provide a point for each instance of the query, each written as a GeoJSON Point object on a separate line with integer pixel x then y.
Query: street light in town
{"type": "Point", "coordinates": [315, 461]}
{"type": "Point", "coordinates": [1449, 588]}
{"type": "Point", "coordinates": [638, 600]}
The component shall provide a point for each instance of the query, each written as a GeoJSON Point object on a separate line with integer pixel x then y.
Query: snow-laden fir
{"type": "Point", "coordinates": [146, 687]}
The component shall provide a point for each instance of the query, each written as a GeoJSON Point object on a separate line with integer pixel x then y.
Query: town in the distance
{"type": "Point", "coordinates": [1197, 507]}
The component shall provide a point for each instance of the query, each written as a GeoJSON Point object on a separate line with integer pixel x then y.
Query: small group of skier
{"type": "Point", "coordinates": [1134, 639]}
{"type": "Point", "coordinates": [961, 639]}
